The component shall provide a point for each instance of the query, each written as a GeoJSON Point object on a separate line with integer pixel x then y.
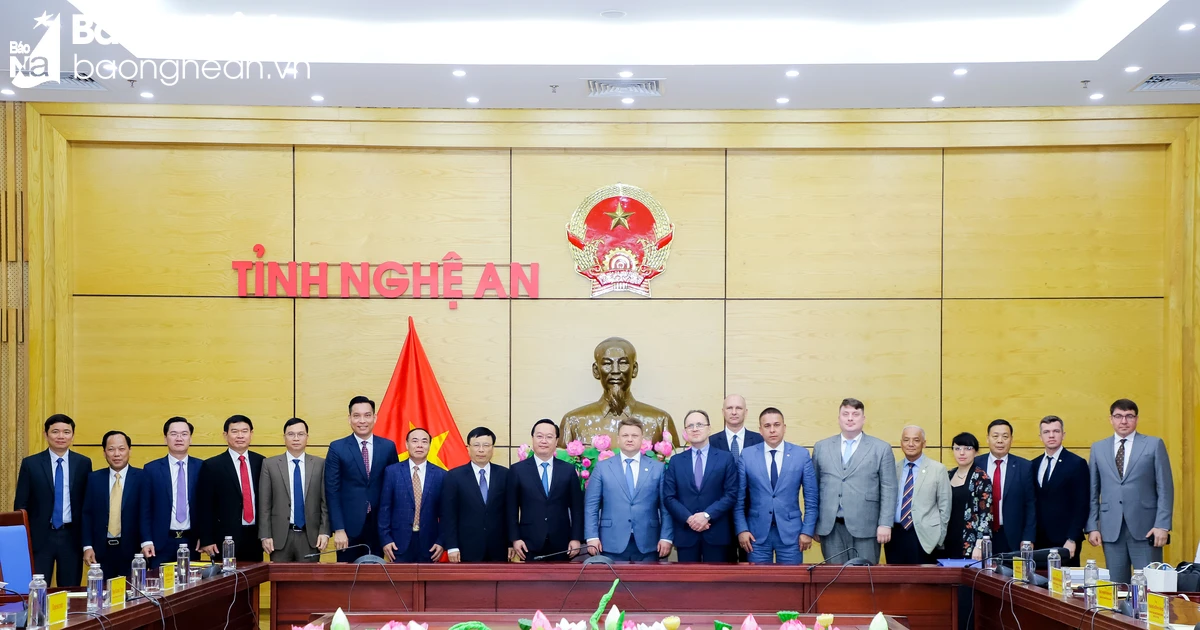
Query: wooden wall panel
{"type": "Point", "coordinates": [1055, 222]}
{"type": "Point", "coordinates": [139, 361]}
{"type": "Point", "coordinates": [169, 220]}
{"type": "Point", "coordinates": [1025, 359]}
{"type": "Point", "coordinates": [349, 347]}
{"type": "Point", "coordinates": [835, 224]}
{"type": "Point", "coordinates": [549, 184]}
{"type": "Point", "coordinates": [804, 357]}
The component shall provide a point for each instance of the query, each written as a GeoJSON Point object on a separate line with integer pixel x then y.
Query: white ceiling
{"type": "Point", "coordinates": [710, 54]}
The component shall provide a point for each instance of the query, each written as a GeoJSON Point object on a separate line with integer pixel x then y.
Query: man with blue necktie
{"type": "Point", "coordinates": [293, 519]}
{"type": "Point", "coordinates": [623, 514]}
{"type": "Point", "coordinates": [473, 505]}
{"type": "Point", "coordinates": [771, 527]}
{"type": "Point", "coordinates": [544, 501]}
{"type": "Point", "coordinates": [50, 488]}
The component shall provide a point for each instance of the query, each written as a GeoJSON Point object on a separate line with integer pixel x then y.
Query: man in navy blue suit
{"type": "Point", "coordinates": [1014, 508]}
{"type": "Point", "coordinates": [112, 509]}
{"type": "Point", "coordinates": [1063, 493]}
{"type": "Point", "coordinates": [354, 480]}
{"type": "Point", "coordinates": [410, 505]}
{"type": "Point", "coordinates": [735, 436]}
{"type": "Point", "coordinates": [171, 486]}
{"type": "Point", "coordinates": [50, 488]}
{"type": "Point", "coordinates": [544, 501]}
{"type": "Point", "coordinates": [699, 491]}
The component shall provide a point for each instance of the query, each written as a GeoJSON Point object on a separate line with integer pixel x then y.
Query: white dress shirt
{"type": "Point", "coordinates": [741, 439]}
{"type": "Point", "coordinates": [1051, 460]}
{"type": "Point", "coordinates": [237, 469]}
{"type": "Point", "coordinates": [991, 471]}
{"type": "Point", "coordinates": [854, 442]}
{"type": "Point", "coordinates": [637, 462]}
{"type": "Point", "coordinates": [112, 479]}
{"type": "Point", "coordinates": [173, 474]}
{"type": "Point", "coordinates": [291, 484]}
{"type": "Point", "coordinates": [66, 481]}
{"type": "Point", "coordinates": [1128, 449]}
{"type": "Point", "coordinates": [549, 471]}
{"type": "Point", "coordinates": [778, 458]}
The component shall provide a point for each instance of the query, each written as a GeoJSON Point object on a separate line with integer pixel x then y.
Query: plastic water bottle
{"type": "Point", "coordinates": [39, 608]}
{"type": "Point", "coordinates": [228, 557]}
{"type": "Point", "coordinates": [1027, 564]}
{"type": "Point", "coordinates": [95, 589]}
{"type": "Point", "coordinates": [1137, 594]}
{"type": "Point", "coordinates": [1053, 560]}
{"type": "Point", "coordinates": [1091, 577]}
{"type": "Point", "coordinates": [1066, 580]}
{"type": "Point", "coordinates": [183, 562]}
{"type": "Point", "coordinates": [985, 549]}
{"type": "Point", "coordinates": [137, 574]}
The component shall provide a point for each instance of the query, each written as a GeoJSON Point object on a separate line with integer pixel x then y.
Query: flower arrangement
{"type": "Point", "coordinates": [584, 457]}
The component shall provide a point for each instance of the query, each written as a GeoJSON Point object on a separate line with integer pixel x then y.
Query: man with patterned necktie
{"type": "Point", "coordinates": [354, 469]}
{"type": "Point", "coordinates": [922, 503]}
{"type": "Point", "coordinates": [226, 495]}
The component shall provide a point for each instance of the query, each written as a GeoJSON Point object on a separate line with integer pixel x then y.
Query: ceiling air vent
{"type": "Point", "coordinates": [624, 87]}
{"type": "Point", "coordinates": [1170, 82]}
{"type": "Point", "coordinates": [69, 81]}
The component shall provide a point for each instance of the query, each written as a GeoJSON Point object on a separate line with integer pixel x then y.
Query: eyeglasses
{"type": "Point", "coordinates": [1124, 416]}
{"type": "Point", "coordinates": [294, 436]}
{"type": "Point", "coordinates": [696, 427]}
{"type": "Point", "coordinates": [963, 449]}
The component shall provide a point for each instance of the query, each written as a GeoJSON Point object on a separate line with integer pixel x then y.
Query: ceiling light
{"type": "Point", "coordinates": [792, 73]}
{"type": "Point", "coordinates": [317, 98]}
{"type": "Point", "coordinates": [238, 14]}
{"type": "Point", "coordinates": [1096, 96]}
{"type": "Point", "coordinates": [960, 71]}
{"type": "Point", "coordinates": [459, 73]}
{"type": "Point", "coordinates": [1187, 27]}
{"type": "Point", "coordinates": [782, 100]}
{"type": "Point", "coordinates": [938, 99]}
{"type": "Point", "coordinates": [627, 100]}
{"type": "Point", "coordinates": [1133, 68]}
{"type": "Point", "coordinates": [472, 99]}
{"type": "Point", "coordinates": [7, 92]}
{"type": "Point", "coordinates": [624, 74]}
{"type": "Point", "coordinates": [613, 15]}
{"type": "Point", "coordinates": [147, 95]}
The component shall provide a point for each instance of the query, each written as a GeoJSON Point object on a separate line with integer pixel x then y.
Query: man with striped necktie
{"type": "Point", "coordinates": [922, 504]}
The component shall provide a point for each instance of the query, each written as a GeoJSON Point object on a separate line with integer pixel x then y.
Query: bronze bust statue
{"type": "Point", "coordinates": [615, 367]}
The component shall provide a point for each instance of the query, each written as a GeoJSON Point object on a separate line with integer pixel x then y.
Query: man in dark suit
{"type": "Point", "coordinates": [171, 482]}
{"type": "Point", "coordinates": [702, 512]}
{"type": "Point", "coordinates": [226, 493]}
{"type": "Point", "coordinates": [354, 469]}
{"type": "Point", "coordinates": [735, 436]}
{"type": "Point", "coordinates": [112, 509]}
{"type": "Point", "coordinates": [1014, 500]}
{"type": "Point", "coordinates": [410, 505]}
{"type": "Point", "coordinates": [1062, 493]}
{"type": "Point", "coordinates": [545, 501]}
{"type": "Point", "coordinates": [50, 487]}
{"type": "Point", "coordinates": [473, 513]}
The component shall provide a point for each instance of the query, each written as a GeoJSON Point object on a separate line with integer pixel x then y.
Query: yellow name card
{"type": "Point", "coordinates": [1156, 607]}
{"type": "Point", "coordinates": [116, 590]}
{"type": "Point", "coordinates": [1018, 569]}
{"type": "Point", "coordinates": [1056, 581]}
{"type": "Point", "coordinates": [168, 576]}
{"type": "Point", "coordinates": [56, 604]}
{"type": "Point", "coordinates": [1106, 595]}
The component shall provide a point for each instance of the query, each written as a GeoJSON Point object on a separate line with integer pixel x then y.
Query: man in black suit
{"type": "Point", "coordinates": [736, 436]}
{"type": "Point", "coordinates": [112, 509]}
{"type": "Point", "coordinates": [1063, 498]}
{"type": "Point", "coordinates": [1014, 502]}
{"type": "Point", "coordinates": [702, 513]}
{"type": "Point", "coordinates": [545, 501]}
{"type": "Point", "coordinates": [227, 493]}
{"type": "Point", "coordinates": [473, 499]}
{"type": "Point", "coordinates": [51, 487]}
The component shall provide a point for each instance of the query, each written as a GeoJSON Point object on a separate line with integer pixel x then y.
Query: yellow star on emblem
{"type": "Point", "coordinates": [619, 217]}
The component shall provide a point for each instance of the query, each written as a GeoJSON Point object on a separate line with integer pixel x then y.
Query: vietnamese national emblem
{"type": "Point", "coordinates": [620, 238]}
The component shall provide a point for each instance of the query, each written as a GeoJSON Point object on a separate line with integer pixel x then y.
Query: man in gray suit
{"type": "Point", "coordinates": [293, 518]}
{"type": "Point", "coordinates": [623, 512]}
{"type": "Point", "coordinates": [857, 476]}
{"type": "Point", "coordinates": [1132, 494]}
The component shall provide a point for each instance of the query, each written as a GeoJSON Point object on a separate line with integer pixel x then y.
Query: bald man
{"type": "Point", "coordinates": [736, 437]}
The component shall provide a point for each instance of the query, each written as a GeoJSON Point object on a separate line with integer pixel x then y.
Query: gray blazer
{"type": "Point", "coordinates": [1143, 498]}
{"type": "Point", "coordinates": [931, 501]}
{"type": "Point", "coordinates": [611, 514]}
{"type": "Point", "coordinates": [275, 501]}
{"type": "Point", "coordinates": [865, 487]}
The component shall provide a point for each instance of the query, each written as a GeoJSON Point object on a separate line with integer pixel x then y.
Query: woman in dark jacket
{"type": "Point", "coordinates": [971, 507]}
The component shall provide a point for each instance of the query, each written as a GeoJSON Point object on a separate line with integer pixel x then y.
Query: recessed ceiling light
{"type": "Point", "coordinates": [624, 74]}
{"type": "Point", "coordinates": [612, 14]}
{"type": "Point", "coordinates": [472, 99]}
{"type": "Point", "coordinates": [317, 98]}
{"type": "Point", "coordinates": [960, 71]}
{"type": "Point", "coordinates": [1187, 27]}
{"type": "Point", "coordinates": [792, 73]}
{"type": "Point", "coordinates": [1132, 68]}
{"type": "Point", "coordinates": [627, 100]}
{"type": "Point", "coordinates": [459, 73]}
{"type": "Point", "coordinates": [1096, 96]}
{"type": "Point", "coordinates": [938, 99]}
{"type": "Point", "coordinates": [238, 14]}
{"type": "Point", "coordinates": [782, 100]}
{"type": "Point", "coordinates": [147, 95]}
{"type": "Point", "coordinates": [7, 92]}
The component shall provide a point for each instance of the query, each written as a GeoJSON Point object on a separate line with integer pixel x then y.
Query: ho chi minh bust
{"type": "Point", "coordinates": [615, 367]}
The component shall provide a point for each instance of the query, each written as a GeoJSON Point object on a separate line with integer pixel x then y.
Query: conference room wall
{"type": "Point", "coordinates": [819, 265]}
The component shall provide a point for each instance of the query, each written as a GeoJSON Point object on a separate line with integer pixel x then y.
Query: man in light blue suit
{"type": "Point", "coordinates": [623, 513]}
{"type": "Point", "coordinates": [768, 518]}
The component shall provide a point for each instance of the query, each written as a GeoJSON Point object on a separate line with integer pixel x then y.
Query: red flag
{"type": "Point", "coordinates": [414, 399]}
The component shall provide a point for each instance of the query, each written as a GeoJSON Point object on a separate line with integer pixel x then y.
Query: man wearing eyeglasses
{"type": "Point", "coordinates": [699, 491]}
{"type": "Point", "coordinates": [1132, 494]}
{"type": "Point", "coordinates": [294, 518]}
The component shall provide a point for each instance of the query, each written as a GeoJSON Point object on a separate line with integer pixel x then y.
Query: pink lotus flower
{"type": "Point", "coordinates": [587, 463]}
{"type": "Point", "coordinates": [587, 474]}
{"type": "Point", "coordinates": [540, 622]}
{"type": "Point", "coordinates": [311, 626]}
{"type": "Point", "coordinates": [601, 442]}
{"type": "Point", "coordinates": [666, 436]}
{"type": "Point", "coordinates": [664, 448]}
{"type": "Point", "coordinates": [750, 623]}
{"type": "Point", "coordinates": [605, 455]}
{"type": "Point", "coordinates": [646, 445]}
{"type": "Point", "coordinates": [411, 625]}
{"type": "Point", "coordinates": [794, 624]}
{"type": "Point", "coordinates": [523, 452]}
{"type": "Point", "coordinates": [629, 625]}
{"type": "Point", "coordinates": [575, 448]}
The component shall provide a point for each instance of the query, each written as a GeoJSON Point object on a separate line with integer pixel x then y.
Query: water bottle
{"type": "Point", "coordinates": [39, 608]}
{"type": "Point", "coordinates": [1067, 581]}
{"type": "Point", "coordinates": [95, 589]}
{"type": "Point", "coordinates": [228, 558]}
{"type": "Point", "coordinates": [183, 562]}
{"type": "Point", "coordinates": [1137, 594]}
{"type": "Point", "coordinates": [137, 574]}
{"type": "Point", "coordinates": [985, 549]}
{"type": "Point", "coordinates": [1027, 563]}
{"type": "Point", "coordinates": [1091, 577]}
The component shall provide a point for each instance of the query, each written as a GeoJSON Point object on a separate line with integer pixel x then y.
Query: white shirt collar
{"type": "Point", "coordinates": [300, 457]}
{"type": "Point", "coordinates": [420, 468]}
{"type": "Point", "coordinates": [992, 458]}
{"type": "Point", "coordinates": [112, 472]}
{"type": "Point", "coordinates": [1128, 438]}
{"type": "Point", "coordinates": [740, 433]}
{"type": "Point", "coordinates": [541, 461]}
{"type": "Point", "coordinates": [176, 459]}
{"type": "Point", "coordinates": [637, 458]}
{"type": "Point", "coordinates": [234, 454]}
{"type": "Point", "coordinates": [853, 439]}
{"type": "Point", "coordinates": [54, 458]}
{"type": "Point", "coordinates": [486, 468]}
{"type": "Point", "coordinates": [370, 439]}
{"type": "Point", "coordinates": [1056, 453]}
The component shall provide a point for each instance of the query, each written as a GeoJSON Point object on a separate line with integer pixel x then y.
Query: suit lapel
{"type": "Point", "coordinates": [918, 478]}
{"type": "Point", "coordinates": [709, 469]}
{"type": "Point", "coordinates": [356, 450]}
{"type": "Point", "coordinates": [858, 456]}
{"type": "Point", "coordinates": [310, 473]}
{"type": "Point", "coordinates": [1139, 447]}
{"type": "Point", "coordinates": [1009, 474]}
{"type": "Point", "coordinates": [48, 467]}
{"type": "Point", "coordinates": [620, 459]}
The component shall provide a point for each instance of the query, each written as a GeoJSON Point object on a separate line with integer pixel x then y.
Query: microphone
{"type": "Point", "coordinates": [598, 558]}
{"type": "Point", "coordinates": [551, 555]}
{"type": "Point", "coordinates": [318, 554]}
{"type": "Point", "coordinates": [840, 553]}
{"type": "Point", "coordinates": [23, 615]}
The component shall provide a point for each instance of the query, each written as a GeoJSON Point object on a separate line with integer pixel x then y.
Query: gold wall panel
{"type": "Point", "coordinates": [1025, 359]}
{"type": "Point", "coordinates": [139, 361]}
{"type": "Point", "coordinates": [349, 347]}
{"type": "Point", "coordinates": [1055, 222]}
{"type": "Point", "coordinates": [169, 220]}
{"type": "Point", "coordinates": [549, 184]}
{"type": "Point", "coordinates": [804, 357]}
{"type": "Point", "coordinates": [835, 223]}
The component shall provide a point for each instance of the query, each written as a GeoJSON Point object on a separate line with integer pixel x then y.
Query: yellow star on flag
{"type": "Point", "coordinates": [619, 217]}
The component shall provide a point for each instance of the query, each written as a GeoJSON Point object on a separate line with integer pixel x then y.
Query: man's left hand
{"type": "Point", "coordinates": [805, 542]}
{"type": "Point", "coordinates": [664, 549]}
{"type": "Point", "coordinates": [435, 552]}
{"type": "Point", "coordinates": [322, 542]}
{"type": "Point", "coordinates": [883, 535]}
{"type": "Point", "coordinates": [573, 548]}
{"type": "Point", "coordinates": [1070, 547]}
{"type": "Point", "coordinates": [1158, 536]}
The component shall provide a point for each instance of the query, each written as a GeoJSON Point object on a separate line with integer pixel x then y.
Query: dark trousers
{"type": "Point", "coordinates": [1067, 561]}
{"type": "Point", "coordinates": [905, 547]}
{"type": "Point", "coordinates": [246, 545]}
{"type": "Point", "coordinates": [114, 560]}
{"type": "Point", "coordinates": [1000, 542]}
{"type": "Point", "coordinates": [632, 554]}
{"type": "Point", "coordinates": [369, 537]}
{"type": "Point", "coordinates": [60, 552]}
{"type": "Point", "coordinates": [167, 553]}
{"type": "Point", "coordinates": [705, 552]}
{"type": "Point", "coordinates": [415, 552]}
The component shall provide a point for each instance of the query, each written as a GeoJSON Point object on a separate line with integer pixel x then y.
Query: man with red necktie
{"type": "Point", "coordinates": [1014, 500]}
{"type": "Point", "coordinates": [227, 495]}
